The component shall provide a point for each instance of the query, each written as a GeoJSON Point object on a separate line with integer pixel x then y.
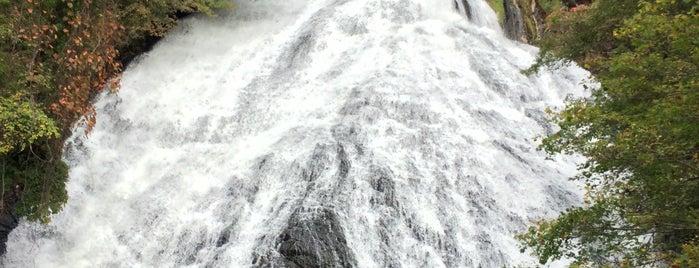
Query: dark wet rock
{"type": "Point", "coordinates": [345, 165]}
{"type": "Point", "coordinates": [314, 238]}
{"type": "Point", "coordinates": [224, 237]}
{"type": "Point", "coordinates": [467, 7]}
{"type": "Point", "coordinates": [385, 188]}
{"type": "Point", "coordinates": [318, 163]}
{"type": "Point", "coordinates": [8, 221]}
{"type": "Point", "coordinates": [514, 23]}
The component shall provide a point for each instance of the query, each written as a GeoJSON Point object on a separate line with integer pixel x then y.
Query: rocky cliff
{"type": "Point", "coordinates": [524, 20]}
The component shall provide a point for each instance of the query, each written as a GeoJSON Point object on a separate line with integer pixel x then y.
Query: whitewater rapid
{"type": "Point", "coordinates": [367, 133]}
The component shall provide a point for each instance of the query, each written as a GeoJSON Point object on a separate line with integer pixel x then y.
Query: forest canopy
{"type": "Point", "coordinates": [639, 132]}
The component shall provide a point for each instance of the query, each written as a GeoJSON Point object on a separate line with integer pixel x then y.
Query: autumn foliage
{"type": "Point", "coordinates": [55, 56]}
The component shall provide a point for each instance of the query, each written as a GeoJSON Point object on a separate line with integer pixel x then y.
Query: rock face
{"type": "Point", "coordinates": [514, 24]}
{"type": "Point", "coordinates": [314, 238]}
{"type": "Point", "coordinates": [8, 221]}
{"type": "Point", "coordinates": [465, 5]}
{"type": "Point", "coordinates": [524, 19]}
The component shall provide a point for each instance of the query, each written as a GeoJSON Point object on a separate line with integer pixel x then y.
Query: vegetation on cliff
{"type": "Point", "coordinates": [55, 55]}
{"type": "Point", "coordinates": [639, 132]}
{"type": "Point", "coordinates": [529, 14]}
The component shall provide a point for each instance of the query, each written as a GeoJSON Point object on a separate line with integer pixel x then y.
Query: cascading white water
{"type": "Point", "coordinates": [368, 133]}
{"type": "Point", "coordinates": [479, 12]}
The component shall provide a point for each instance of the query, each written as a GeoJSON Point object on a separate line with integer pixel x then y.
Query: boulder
{"type": "Point", "coordinates": [314, 238]}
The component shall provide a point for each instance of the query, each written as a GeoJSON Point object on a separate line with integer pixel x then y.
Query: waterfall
{"type": "Point", "coordinates": [479, 13]}
{"type": "Point", "coordinates": [365, 133]}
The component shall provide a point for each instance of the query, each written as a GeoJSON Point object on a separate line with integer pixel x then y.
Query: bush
{"type": "Point", "coordinates": [55, 56]}
{"type": "Point", "coordinates": [639, 132]}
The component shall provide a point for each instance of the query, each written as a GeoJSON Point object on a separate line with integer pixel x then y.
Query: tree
{"type": "Point", "coordinates": [55, 56]}
{"type": "Point", "coordinates": [639, 132]}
